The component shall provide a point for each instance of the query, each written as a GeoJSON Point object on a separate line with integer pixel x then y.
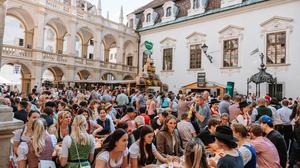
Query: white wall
{"type": "Point", "coordinates": [252, 38]}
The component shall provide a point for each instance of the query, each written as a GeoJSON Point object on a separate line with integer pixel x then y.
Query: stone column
{"type": "Point", "coordinates": [84, 50]}
{"type": "Point", "coordinates": [2, 24]}
{"type": "Point", "coordinates": [71, 38]}
{"type": "Point", "coordinates": [98, 55]}
{"type": "Point", "coordinates": [60, 45]}
{"type": "Point", "coordinates": [120, 50]}
{"type": "Point", "coordinates": [28, 38]}
{"type": "Point", "coordinates": [7, 126]}
{"type": "Point", "coordinates": [39, 30]}
{"type": "Point", "coordinates": [106, 55]}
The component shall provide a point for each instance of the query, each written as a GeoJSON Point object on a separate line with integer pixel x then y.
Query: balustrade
{"type": "Point", "coordinates": [54, 4]}
{"type": "Point", "coordinates": [23, 53]}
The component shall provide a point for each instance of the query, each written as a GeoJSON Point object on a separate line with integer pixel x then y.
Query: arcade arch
{"type": "Point", "coordinates": [129, 53]}
{"type": "Point", "coordinates": [108, 77]}
{"type": "Point", "coordinates": [109, 44]}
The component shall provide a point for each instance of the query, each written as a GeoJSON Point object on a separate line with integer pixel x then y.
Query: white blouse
{"type": "Point", "coordinates": [135, 152]}
{"type": "Point", "coordinates": [104, 156]}
{"type": "Point", "coordinates": [66, 144]}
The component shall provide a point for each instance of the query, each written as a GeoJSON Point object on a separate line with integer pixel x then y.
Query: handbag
{"type": "Point", "coordinates": [88, 166]}
{"type": "Point", "coordinates": [46, 164]}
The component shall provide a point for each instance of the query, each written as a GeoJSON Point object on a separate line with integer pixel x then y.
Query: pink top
{"type": "Point", "coordinates": [266, 153]}
{"type": "Point", "coordinates": [131, 123]}
{"type": "Point", "coordinates": [234, 111]}
{"type": "Point", "coordinates": [151, 105]}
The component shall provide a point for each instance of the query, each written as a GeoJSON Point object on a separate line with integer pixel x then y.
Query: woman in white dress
{"type": "Point", "coordinates": [114, 154]}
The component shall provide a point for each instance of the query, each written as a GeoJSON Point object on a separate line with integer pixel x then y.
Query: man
{"type": "Point", "coordinates": [261, 110]}
{"type": "Point", "coordinates": [224, 104]}
{"type": "Point", "coordinates": [129, 118]}
{"type": "Point", "coordinates": [275, 137]}
{"type": "Point", "coordinates": [140, 122]}
{"type": "Point", "coordinates": [122, 99]}
{"type": "Point", "coordinates": [183, 105]}
{"type": "Point", "coordinates": [158, 121]}
{"type": "Point", "coordinates": [234, 109]}
{"type": "Point", "coordinates": [21, 114]}
{"type": "Point", "coordinates": [285, 113]}
{"type": "Point", "coordinates": [186, 129]}
{"type": "Point", "coordinates": [277, 122]}
{"type": "Point", "coordinates": [266, 153]}
{"type": "Point", "coordinates": [201, 113]}
{"type": "Point", "coordinates": [207, 135]}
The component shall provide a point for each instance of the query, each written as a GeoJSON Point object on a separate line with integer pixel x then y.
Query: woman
{"type": "Point", "coordinates": [151, 106]}
{"type": "Point", "coordinates": [40, 147]}
{"type": "Point", "coordinates": [78, 148]}
{"type": "Point", "coordinates": [24, 134]}
{"type": "Point", "coordinates": [114, 153]}
{"type": "Point", "coordinates": [194, 154]}
{"type": "Point", "coordinates": [63, 125]}
{"type": "Point", "coordinates": [94, 110]}
{"type": "Point", "coordinates": [247, 150]}
{"type": "Point", "coordinates": [230, 157]}
{"type": "Point", "coordinates": [104, 122]}
{"type": "Point", "coordinates": [168, 139]}
{"type": "Point", "coordinates": [143, 152]}
{"type": "Point", "coordinates": [244, 117]}
{"type": "Point", "coordinates": [92, 126]}
{"type": "Point", "coordinates": [214, 108]}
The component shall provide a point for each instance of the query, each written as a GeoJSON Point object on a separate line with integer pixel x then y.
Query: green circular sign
{"type": "Point", "coordinates": [148, 45]}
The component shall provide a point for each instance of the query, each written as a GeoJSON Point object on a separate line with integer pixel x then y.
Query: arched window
{"type": "Point", "coordinates": [78, 46]}
{"type": "Point", "coordinates": [14, 32]}
{"type": "Point", "coordinates": [148, 18]}
{"type": "Point", "coordinates": [169, 11]}
{"type": "Point", "coordinates": [50, 39]}
{"type": "Point", "coordinates": [196, 4]}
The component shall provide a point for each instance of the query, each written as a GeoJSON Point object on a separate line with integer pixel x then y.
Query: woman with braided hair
{"type": "Point", "coordinates": [194, 154]}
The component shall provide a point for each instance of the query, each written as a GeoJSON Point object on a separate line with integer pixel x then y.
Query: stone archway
{"type": "Point", "coordinates": [110, 48]}
{"type": "Point", "coordinates": [87, 42]}
{"type": "Point", "coordinates": [58, 73]}
{"type": "Point", "coordinates": [85, 75]}
{"type": "Point", "coordinates": [27, 22]}
{"type": "Point", "coordinates": [108, 77]}
{"type": "Point", "coordinates": [128, 77]}
{"type": "Point", "coordinates": [25, 74]}
{"type": "Point", "coordinates": [130, 53]}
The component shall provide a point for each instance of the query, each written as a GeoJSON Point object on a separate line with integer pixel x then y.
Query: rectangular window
{"type": "Point", "coordinates": [167, 59]}
{"type": "Point", "coordinates": [195, 56]}
{"type": "Point", "coordinates": [148, 17]}
{"type": "Point", "coordinates": [230, 53]}
{"type": "Point", "coordinates": [276, 48]}
{"type": "Point", "coordinates": [129, 61]}
{"type": "Point", "coordinates": [168, 12]}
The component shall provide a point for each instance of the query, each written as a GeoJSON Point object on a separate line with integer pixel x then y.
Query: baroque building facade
{"type": "Point", "coordinates": [234, 31]}
{"type": "Point", "coordinates": [69, 38]}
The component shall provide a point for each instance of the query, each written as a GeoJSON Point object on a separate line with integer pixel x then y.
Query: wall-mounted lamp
{"type": "Point", "coordinates": [204, 48]}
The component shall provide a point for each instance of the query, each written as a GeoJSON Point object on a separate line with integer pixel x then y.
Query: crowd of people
{"type": "Point", "coordinates": [109, 128]}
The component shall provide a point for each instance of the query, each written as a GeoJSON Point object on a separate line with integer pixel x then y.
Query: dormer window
{"type": "Point", "coordinates": [169, 12]}
{"type": "Point", "coordinates": [131, 21]}
{"type": "Point", "coordinates": [196, 4]}
{"type": "Point", "coordinates": [148, 18]}
{"type": "Point", "coordinates": [197, 7]}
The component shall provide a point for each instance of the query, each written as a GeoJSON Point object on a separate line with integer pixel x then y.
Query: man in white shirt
{"type": "Point", "coordinates": [285, 113]}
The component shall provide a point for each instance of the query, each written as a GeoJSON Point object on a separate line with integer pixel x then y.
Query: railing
{"type": "Point", "coordinates": [31, 54]}
{"type": "Point", "coordinates": [54, 4]}
{"type": "Point", "coordinates": [14, 51]}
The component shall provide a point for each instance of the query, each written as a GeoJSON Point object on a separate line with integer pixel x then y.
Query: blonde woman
{"type": "Point", "coordinates": [194, 154]}
{"type": "Point", "coordinates": [40, 147]}
{"type": "Point", "coordinates": [63, 125]}
{"type": "Point", "coordinates": [78, 148]}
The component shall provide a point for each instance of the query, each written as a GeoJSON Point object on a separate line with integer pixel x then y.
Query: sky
{"type": "Point", "coordinates": [114, 6]}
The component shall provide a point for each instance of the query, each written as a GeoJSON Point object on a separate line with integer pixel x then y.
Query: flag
{"type": "Point", "coordinates": [254, 51]}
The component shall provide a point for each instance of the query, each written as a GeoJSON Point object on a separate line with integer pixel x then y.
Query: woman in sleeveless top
{"type": "Point", "coordinates": [40, 147]}
{"type": "Point", "coordinates": [104, 122]}
{"type": "Point", "coordinates": [63, 125]}
{"type": "Point", "coordinates": [24, 134]}
{"type": "Point", "coordinates": [247, 150]}
{"type": "Point", "coordinates": [143, 152]}
{"type": "Point", "coordinates": [77, 148]}
{"type": "Point", "coordinates": [114, 153]}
